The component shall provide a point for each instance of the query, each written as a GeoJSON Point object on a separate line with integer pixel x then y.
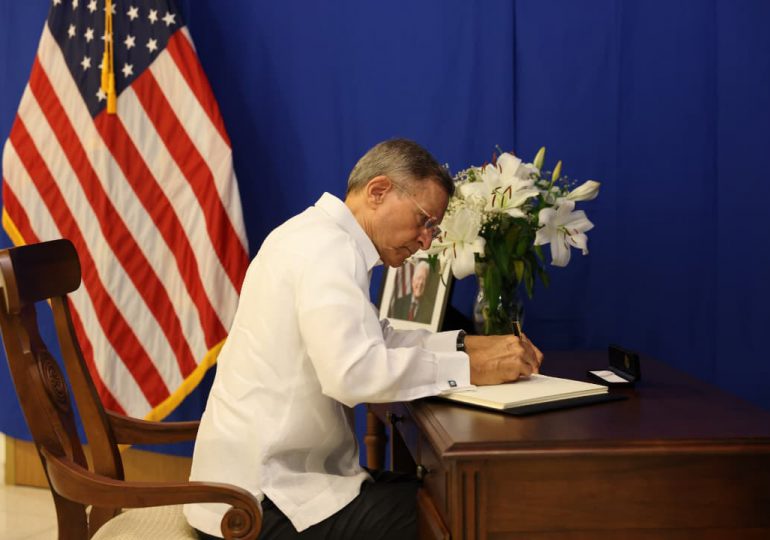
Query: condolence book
{"type": "Point", "coordinates": [534, 394]}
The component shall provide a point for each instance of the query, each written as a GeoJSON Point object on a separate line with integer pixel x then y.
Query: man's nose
{"type": "Point", "coordinates": [425, 239]}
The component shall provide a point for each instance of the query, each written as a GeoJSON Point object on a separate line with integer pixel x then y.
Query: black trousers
{"type": "Point", "coordinates": [386, 509]}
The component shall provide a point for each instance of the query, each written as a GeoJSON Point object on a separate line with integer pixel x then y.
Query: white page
{"type": "Point", "coordinates": [535, 389]}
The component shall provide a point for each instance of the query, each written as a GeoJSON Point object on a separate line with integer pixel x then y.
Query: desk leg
{"type": "Point", "coordinates": [374, 441]}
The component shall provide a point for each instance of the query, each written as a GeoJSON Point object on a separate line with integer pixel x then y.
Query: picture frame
{"type": "Point", "coordinates": [404, 309]}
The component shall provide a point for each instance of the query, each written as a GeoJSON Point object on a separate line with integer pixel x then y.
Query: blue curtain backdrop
{"type": "Point", "coordinates": [664, 101]}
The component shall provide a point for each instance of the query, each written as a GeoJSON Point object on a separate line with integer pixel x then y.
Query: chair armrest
{"type": "Point", "coordinates": [73, 482]}
{"type": "Point", "coordinates": [129, 430]}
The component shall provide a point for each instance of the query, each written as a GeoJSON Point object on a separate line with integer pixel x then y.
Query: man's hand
{"type": "Point", "coordinates": [499, 359]}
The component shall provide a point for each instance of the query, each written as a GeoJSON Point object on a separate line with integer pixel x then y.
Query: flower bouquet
{"type": "Point", "coordinates": [500, 216]}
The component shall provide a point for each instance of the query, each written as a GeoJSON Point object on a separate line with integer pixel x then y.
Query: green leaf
{"type": "Point", "coordinates": [433, 262]}
{"type": "Point", "coordinates": [522, 246]}
{"type": "Point", "coordinates": [512, 237]}
{"type": "Point", "coordinates": [518, 267]}
{"type": "Point", "coordinates": [492, 286]}
{"type": "Point", "coordinates": [503, 260]}
{"type": "Point", "coordinates": [529, 280]}
{"type": "Point", "coordinates": [539, 253]}
{"type": "Point", "coordinates": [544, 277]}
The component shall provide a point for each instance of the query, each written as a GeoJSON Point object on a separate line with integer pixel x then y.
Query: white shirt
{"type": "Point", "coordinates": [305, 340]}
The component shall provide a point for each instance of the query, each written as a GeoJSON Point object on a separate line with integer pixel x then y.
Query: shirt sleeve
{"type": "Point", "coordinates": [347, 345]}
{"type": "Point", "coordinates": [439, 342]}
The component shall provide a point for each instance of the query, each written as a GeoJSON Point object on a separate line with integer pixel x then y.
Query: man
{"type": "Point", "coordinates": [414, 306]}
{"type": "Point", "coordinates": [306, 341]}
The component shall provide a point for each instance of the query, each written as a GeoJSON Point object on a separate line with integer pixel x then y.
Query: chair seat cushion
{"type": "Point", "coordinates": [166, 522]}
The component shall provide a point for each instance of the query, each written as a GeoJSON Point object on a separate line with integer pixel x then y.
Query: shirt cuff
{"type": "Point", "coordinates": [454, 372]}
{"type": "Point", "coordinates": [442, 341]}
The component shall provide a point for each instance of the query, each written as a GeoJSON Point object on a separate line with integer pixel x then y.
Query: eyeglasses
{"type": "Point", "coordinates": [431, 222]}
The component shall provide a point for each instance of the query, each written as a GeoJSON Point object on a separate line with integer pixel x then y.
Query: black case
{"type": "Point", "coordinates": [624, 364]}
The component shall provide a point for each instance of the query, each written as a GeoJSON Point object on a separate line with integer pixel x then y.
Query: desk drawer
{"type": "Point", "coordinates": [435, 477]}
{"type": "Point", "coordinates": [417, 455]}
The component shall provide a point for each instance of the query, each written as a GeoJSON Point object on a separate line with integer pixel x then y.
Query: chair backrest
{"type": "Point", "coordinates": [48, 272]}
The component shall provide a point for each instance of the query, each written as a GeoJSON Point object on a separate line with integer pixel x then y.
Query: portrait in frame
{"type": "Point", "coordinates": [415, 294]}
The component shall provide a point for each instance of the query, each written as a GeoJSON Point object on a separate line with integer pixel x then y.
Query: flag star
{"type": "Point", "coordinates": [169, 19]}
{"type": "Point", "coordinates": [56, 2]}
{"type": "Point", "coordinates": [100, 95]}
{"type": "Point", "coordinates": [74, 4]}
{"type": "Point", "coordinates": [130, 41]}
{"type": "Point", "coordinates": [92, 6]}
{"type": "Point", "coordinates": [71, 31]}
{"type": "Point", "coordinates": [153, 16]}
{"type": "Point", "coordinates": [133, 12]}
{"type": "Point", "coordinates": [127, 70]}
{"type": "Point", "coordinates": [112, 10]}
{"type": "Point", "coordinates": [89, 34]}
{"type": "Point", "coordinates": [152, 45]}
{"type": "Point", "coordinates": [86, 63]}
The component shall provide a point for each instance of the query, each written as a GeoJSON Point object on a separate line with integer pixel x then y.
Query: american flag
{"type": "Point", "coordinates": [148, 196]}
{"type": "Point", "coordinates": [402, 285]}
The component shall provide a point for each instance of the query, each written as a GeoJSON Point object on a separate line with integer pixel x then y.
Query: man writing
{"type": "Point", "coordinates": [306, 341]}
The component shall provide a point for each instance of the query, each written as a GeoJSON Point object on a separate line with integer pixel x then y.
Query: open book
{"type": "Point", "coordinates": [533, 391]}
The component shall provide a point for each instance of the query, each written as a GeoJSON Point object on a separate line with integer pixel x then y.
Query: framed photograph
{"type": "Point", "coordinates": [414, 295]}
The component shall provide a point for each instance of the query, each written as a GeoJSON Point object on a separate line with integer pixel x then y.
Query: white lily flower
{"type": "Point", "coordinates": [462, 256]}
{"type": "Point", "coordinates": [587, 191]}
{"type": "Point", "coordinates": [563, 227]}
{"type": "Point", "coordinates": [460, 240]}
{"type": "Point", "coordinates": [462, 225]}
{"type": "Point", "coordinates": [512, 168]}
{"type": "Point", "coordinates": [510, 199]}
{"type": "Point", "coordinates": [504, 187]}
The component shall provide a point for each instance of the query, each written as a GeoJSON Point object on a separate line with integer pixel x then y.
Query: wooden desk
{"type": "Point", "coordinates": [678, 459]}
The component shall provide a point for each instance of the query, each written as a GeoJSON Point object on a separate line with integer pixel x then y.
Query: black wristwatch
{"type": "Point", "coordinates": [461, 340]}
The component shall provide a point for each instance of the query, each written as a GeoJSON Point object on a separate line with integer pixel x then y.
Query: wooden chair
{"type": "Point", "coordinates": [48, 271]}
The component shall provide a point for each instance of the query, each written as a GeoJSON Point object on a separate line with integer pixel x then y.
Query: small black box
{"type": "Point", "coordinates": [624, 368]}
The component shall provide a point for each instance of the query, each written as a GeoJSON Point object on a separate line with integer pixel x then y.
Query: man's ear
{"type": "Point", "coordinates": [376, 189]}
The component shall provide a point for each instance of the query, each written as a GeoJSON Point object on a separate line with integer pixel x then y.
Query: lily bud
{"type": "Point", "coordinates": [587, 191]}
{"type": "Point", "coordinates": [556, 172]}
{"type": "Point", "coordinates": [539, 158]}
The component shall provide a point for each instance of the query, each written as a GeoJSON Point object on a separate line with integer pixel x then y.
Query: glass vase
{"type": "Point", "coordinates": [510, 308]}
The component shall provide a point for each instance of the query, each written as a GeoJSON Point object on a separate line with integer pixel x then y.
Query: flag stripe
{"type": "Point", "coordinates": [231, 253]}
{"type": "Point", "coordinates": [115, 374]}
{"type": "Point", "coordinates": [204, 277]}
{"type": "Point", "coordinates": [118, 331]}
{"type": "Point", "coordinates": [120, 240]}
{"type": "Point", "coordinates": [190, 113]}
{"type": "Point", "coordinates": [146, 188]}
{"type": "Point", "coordinates": [186, 291]}
{"type": "Point", "coordinates": [16, 212]}
{"type": "Point", "coordinates": [23, 225]}
{"type": "Point", "coordinates": [181, 50]}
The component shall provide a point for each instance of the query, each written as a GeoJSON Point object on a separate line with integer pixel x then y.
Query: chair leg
{"type": "Point", "coordinates": [70, 518]}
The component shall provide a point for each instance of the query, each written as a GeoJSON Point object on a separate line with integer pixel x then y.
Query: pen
{"type": "Point", "coordinates": [517, 328]}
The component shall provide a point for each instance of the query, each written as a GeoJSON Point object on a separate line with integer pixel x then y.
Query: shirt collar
{"type": "Point", "coordinates": [341, 214]}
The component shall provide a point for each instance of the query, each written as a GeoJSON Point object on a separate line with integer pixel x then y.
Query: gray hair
{"type": "Point", "coordinates": [401, 158]}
